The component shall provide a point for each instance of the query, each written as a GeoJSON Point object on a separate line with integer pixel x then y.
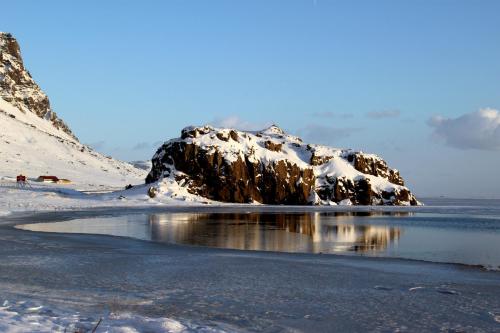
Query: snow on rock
{"type": "Point", "coordinates": [272, 167]}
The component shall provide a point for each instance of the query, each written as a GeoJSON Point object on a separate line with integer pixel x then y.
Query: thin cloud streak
{"type": "Point", "coordinates": [383, 114]}
{"type": "Point", "coordinates": [240, 124]}
{"type": "Point", "coordinates": [329, 114]}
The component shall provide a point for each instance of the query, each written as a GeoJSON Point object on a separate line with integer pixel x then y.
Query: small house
{"type": "Point", "coordinates": [48, 179]}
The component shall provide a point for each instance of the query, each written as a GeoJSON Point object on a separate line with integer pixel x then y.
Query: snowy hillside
{"type": "Point", "coordinates": [34, 141]}
{"type": "Point", "coordinates": [32, 146]}
{"type": "Point", "coordinates": [273, 167]}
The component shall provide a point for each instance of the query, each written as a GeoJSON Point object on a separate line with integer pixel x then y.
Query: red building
{"type": "Point", "coordinates": [48, 179]}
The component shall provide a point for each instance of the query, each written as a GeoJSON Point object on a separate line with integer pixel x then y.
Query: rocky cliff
{"type": "Point", "coordinates": [18, 87]}
{"type": "Point", "coordinates": [272, 167]}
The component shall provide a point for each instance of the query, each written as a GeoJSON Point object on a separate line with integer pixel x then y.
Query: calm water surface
{"type": "Point", "coordinates": [451, 235]}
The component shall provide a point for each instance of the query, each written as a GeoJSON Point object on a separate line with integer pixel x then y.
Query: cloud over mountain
{"type": "Point", "coordinates": [475, 130]}
{"type": "Point", "coordinates": [238, 123]}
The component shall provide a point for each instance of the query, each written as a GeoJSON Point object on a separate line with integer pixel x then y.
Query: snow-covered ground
{"type": "Point", "coordinates": [39, 197]}
{"type": "Point", "coordinates": [32, 146]}
{"type": "Point", "coordinates": [56, 282]}
{"type": "Point", "coordinates": [28, 316]}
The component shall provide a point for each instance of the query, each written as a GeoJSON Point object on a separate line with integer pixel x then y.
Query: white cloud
{"type": "Point", "coordinates": [383, 114]}
{"type": "Point", "coordinates": [475, 130]}
{"type": "Point", "coordinates": [240, 124]}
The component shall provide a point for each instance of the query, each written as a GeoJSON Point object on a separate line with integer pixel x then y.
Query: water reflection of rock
{"type": "Point", "coordinates": [299, 232]}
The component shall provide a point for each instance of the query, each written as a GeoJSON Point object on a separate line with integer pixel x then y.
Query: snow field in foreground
{"type": "Point", "coordinates": [29, 316]}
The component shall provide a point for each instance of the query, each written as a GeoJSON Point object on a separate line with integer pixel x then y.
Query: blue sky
{"type": "Point", "coordinates": [371, 75]}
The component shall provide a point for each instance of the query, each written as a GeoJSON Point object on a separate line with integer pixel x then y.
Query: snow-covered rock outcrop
{"type": "Point", "coordinates": [18, 87]}
{"type": "Point", "coordinates": [273, 167]}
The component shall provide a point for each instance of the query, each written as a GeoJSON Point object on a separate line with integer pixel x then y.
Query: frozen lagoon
{"type": "Point", "coordinates": [132, 283]}
{"type": "Point", "coordinates": [467, 237]}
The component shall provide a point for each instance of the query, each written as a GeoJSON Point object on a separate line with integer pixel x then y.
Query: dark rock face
{"type": "Point", "coordinates": [18, 87]}
{"type": "Point", "coordinates": [360, 192]}
{"type": "Point", "coordinates": [337, 189]}
{"type": "Point", "coordinates": [318, 160]}
{"type": "Point", "coordinates": [209, 175]}
{"type": "Point", "coordinates": [272, 167]}
{"type": "Point", "coordinates": [272, 146]}
{"type": "Point", "coordinates": [374, 167]}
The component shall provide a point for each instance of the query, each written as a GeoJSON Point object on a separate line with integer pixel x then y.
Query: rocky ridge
{"type": "Point", "coordinates": [18, 87]}
{"type": "Point", "coordinates": [272, 167]}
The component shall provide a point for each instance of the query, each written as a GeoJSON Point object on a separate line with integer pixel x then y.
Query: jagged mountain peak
{"type": "Point", "coordinates": [9, 43]}
{"type": "Point", "coordinates": [273, 130]}
{"type": "Point", "coordinates": [18, 88]}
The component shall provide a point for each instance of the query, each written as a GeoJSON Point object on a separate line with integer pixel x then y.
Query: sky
{"type": "Point", "coordinates": [416, 82]}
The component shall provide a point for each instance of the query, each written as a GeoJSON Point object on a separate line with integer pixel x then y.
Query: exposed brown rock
{"type": "Point", "coordinates": [222, 136]}
{"type": "Point", "coordinates": [273, 146]}
{"type": "Point", "coordinates": [374, 167]}
{"type": "Point", "coordinates": [11, 46]}
{"type": "Point", "coordinates": [225, 136]}
{"type": "Point", "coordinates": [241, 181]}
{"type": "Point", "coordinates": [337, 190]}
{"type": "Point", "coordinates": [318, 160]}
{"type": "Point", "coordinates": [194, 132]}
{"type": "Point", "coordinates": [18, 87]}
{"type": "Point", "coordinates": [233, 135]}
{"type": "Point", "coordinates": [364, 193]}
{"type": "Point", "coordinates": [152, 192]}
